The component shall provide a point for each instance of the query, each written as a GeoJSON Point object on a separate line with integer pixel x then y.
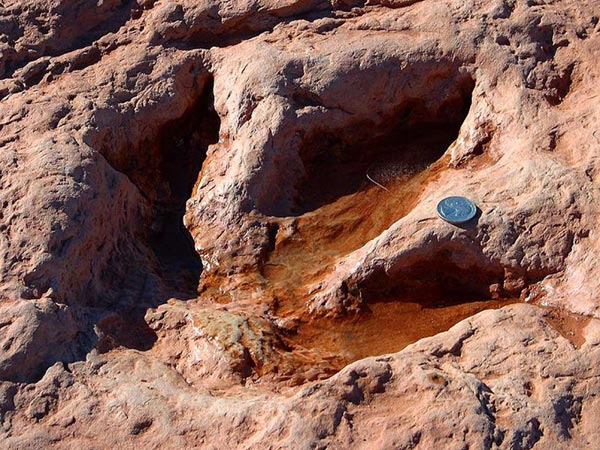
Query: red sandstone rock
{"type": "Point", "coordinates": [126, 127]}
{"type": "Point", "coordinates": [501, 379]}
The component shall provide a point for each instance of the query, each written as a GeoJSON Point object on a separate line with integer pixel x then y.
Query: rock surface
{"type": "Point", "coordinates": [207, 207]}
{"type": "Point", "coordinates": [521, 386]}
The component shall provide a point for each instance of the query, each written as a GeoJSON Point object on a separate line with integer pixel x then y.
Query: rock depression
{"type": "Point", "coordinates": [219, 227]}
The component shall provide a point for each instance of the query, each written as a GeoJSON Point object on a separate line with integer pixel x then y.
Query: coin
{"type": "Point", "coordinates": [456, 209]}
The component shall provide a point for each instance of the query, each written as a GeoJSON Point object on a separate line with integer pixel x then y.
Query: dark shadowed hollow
{"type": "Point", "coordinates": [183, 144]}
{"type": "Point", "coordinates": [177, 155]}
{"type": "Point", "coordinates": [338, 209]}
{"type": "Point", "coordinates": [405, 142]}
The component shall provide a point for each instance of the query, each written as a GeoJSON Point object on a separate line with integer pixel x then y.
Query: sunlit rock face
{"type": "Point", "coordinates": [219, 227]}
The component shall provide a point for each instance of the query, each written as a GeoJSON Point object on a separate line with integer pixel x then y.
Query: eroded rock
{"type": "Point", "coordinates": [188, 187]}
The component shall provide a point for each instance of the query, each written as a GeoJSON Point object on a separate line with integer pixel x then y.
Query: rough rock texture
{"type": "Point", "coordinates": [185, 193]}
{"type": "Point", "coordinates": [522, 386]}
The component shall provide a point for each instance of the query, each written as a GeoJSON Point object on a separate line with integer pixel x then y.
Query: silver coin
{"type": "Point", "coordinates": [456, 209]}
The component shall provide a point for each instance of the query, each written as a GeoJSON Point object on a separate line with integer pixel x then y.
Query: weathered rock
{"type": "Point", "coordinates": [501, 379]}
{"type": "Point", "coordinates": [422, 82]}
{"type": "Point", "coordinates": [144, 142]}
